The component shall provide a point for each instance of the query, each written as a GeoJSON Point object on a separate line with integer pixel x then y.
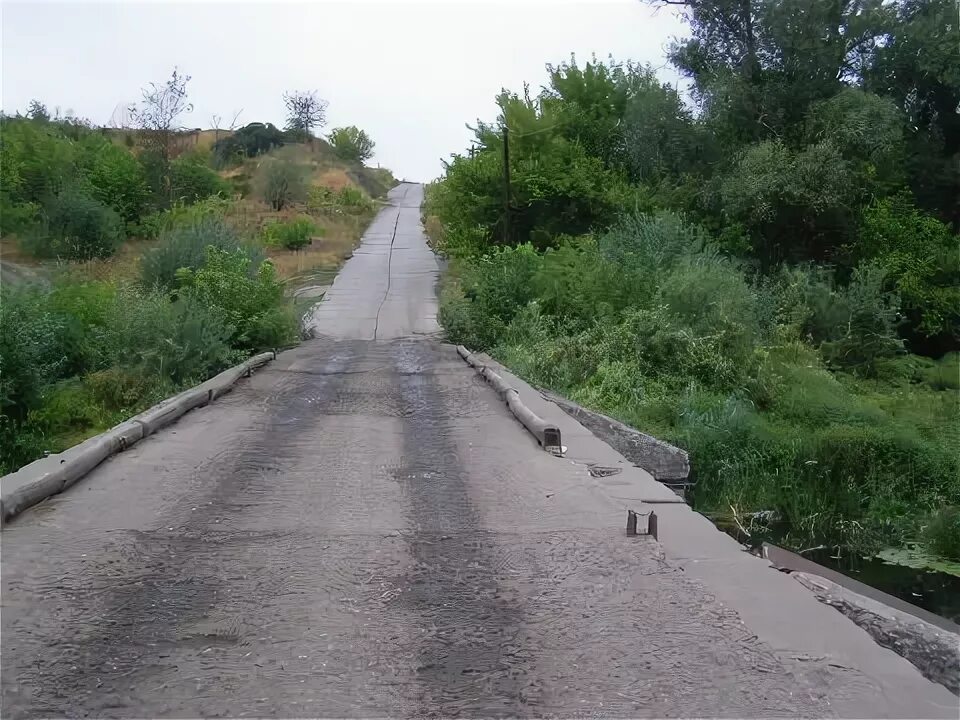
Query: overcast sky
{"type": "Point", "coordinates": [410, 73]}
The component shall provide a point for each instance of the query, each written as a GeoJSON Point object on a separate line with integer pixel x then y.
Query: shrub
{"type": "Point", "coordinates": [77, 227]}
{"type": "Point", "coordinates": [281, 183]}
{"type": "Point", "coordinates": [351, 144]}
{"type": "Point", "coordinates": [293, 234]}
{"type": "Point", "coordinates": [184, 245]}
{"type": "Point", "coordinates": [38, 161]}
{"type": "Point", "coordinates": [495, 290]}
{"type": "Point", "coordinates": [191, 180]}
{"type": "Point", "coordinates": [30, 349]}
{"type": "Point", "coordinates": [177, 342]}
{"type": "Point", "coordinates": [855, 325]}
{"type": "Point", "coordinates": [557, 189]}
{"type": "Point", "coordinates": [116, 177]}
{"type": "Point", "coordinates": [68, 408]}
{"type": "Point", "coordinates": [125, 389]}
{"type": "Point", "coordinates": [252, 302]}
{"type": "Point", "coordinates": [919, 256]}
{"type": "Point", "coordinates": [30, 357]}
{"type": "Point", "coordinates": [81, 307]}
{"type": "Point", "coordinates": [182, 214]}
{"type": "Point", "coordinates": [347, 199]}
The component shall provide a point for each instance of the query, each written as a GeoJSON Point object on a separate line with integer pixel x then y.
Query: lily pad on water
{"type": "Point", "coordinates": [914, 557]}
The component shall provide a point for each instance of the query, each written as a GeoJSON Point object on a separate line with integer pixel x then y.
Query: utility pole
{"type": "Point", "coordinates": [506, 184]}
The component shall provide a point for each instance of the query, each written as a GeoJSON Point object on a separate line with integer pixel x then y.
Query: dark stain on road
{"type": "Point", "coordinates": [467, 619]}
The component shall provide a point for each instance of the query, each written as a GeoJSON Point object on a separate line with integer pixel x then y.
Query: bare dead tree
{"type": "Point", "coordinates": [305, 111]}
{"type": "Point", "coordinates": [158, 118]}
{"type": "Point", "coordinates": [215, 121]}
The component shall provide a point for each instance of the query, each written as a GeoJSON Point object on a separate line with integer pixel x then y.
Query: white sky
{"type": "Point", "coordinates": [410, 73]}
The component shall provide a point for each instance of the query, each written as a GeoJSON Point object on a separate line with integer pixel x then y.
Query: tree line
{"type": "Point", "coordinates": [767, 275]}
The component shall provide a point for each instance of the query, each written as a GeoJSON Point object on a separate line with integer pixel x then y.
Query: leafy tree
{"type": "Point", "coordinates": [590, 102]}
{"type": "Point", "coordinates": [556, 187]}
{"type": "Point", "coordinates": [916, 67]}
{"type": "Point", "coordinates": [868, 131]}
{"type": "Point", "coordinates": [351, 143]}
{"type": "Point", "coordinates": [36, 110]}
{"type": "Point", "coordinates": [305, 111]}
{"type": "Point", "coordinates": [249, 141]}
{"type": "Point", "coordinates": [795, 206]}
{"type": "Point", "coordinates": [757, 65]}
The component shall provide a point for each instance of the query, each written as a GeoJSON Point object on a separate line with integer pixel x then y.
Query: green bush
{"type": "Point", "coordinates": [348, 199]}
{"type": "Point", "coordinates": [31, 356]}
{"type": "Point", "coordinates": [292, 235]}
{"type": "Point", "coordinates": [184, 245]}
{"type": "Point", "coordinates": [495, 290]}
{"type": "Point", "coordinates": [177, 341]}
{"type": "Point", "coordinates": [77, 227]}
{"type": "Point", "coordinates": [38, 162]}
{"type": "Point", "coordinates": [557, 188]}
{"type": "Point", "coordinates": [251, 301]}
{"type": "Point", "coordinates": [116, 177]}
{"type": "Point", "coordinates": [183, 214]}
{"type": "Point", "coordinates": [920, 257]}
{"type": "Point", "coordinates": [192, 180]}
{"type": "Point", "coordinates": [81, 307]}
{"type": "Point", "coordinates": [68, 408]}
{"type": "Point", "coordinates": [30, 349]}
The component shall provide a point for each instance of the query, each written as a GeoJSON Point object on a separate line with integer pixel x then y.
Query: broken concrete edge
{"type": "Point", "coordinates": [668, 464]}
{"type": "Point", "coordinates": [51, 475]}
{"type": "Point", "coordinates": [935, 652]}
{"type": "Point", "coordinates": [547, 435]}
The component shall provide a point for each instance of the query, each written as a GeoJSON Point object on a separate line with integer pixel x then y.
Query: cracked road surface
{"type": "Point", "coordinates": [361, 529]}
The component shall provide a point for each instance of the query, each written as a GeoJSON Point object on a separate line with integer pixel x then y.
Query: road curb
{"type": "Point", "coordinates": [51, 475]}
{"type": "Point", "coordinates": [547, 434]}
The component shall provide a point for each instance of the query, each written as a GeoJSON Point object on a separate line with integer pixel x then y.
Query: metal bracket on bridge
{"type": "Point", "coordinates": [647, 527]}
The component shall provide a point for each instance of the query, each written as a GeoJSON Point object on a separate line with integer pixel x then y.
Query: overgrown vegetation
{"type": "Point", "coordinates": [152, 272]}
{"type": "Point", "coordinates": [292, 235]}
{"type": "Point", "coordinates": [769, 281]}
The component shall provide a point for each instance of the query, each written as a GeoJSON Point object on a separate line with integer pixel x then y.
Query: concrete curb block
{"type": "Point", "coordinates": [934, 651]}
{"type": "Point", "coordinates": [547, 435]}
{"type": "Point", "coordinates": [170, 410]}
{"type": "Point", "coordinates": [48, 476]}
{"type": "Point", "coordinates": [668, 464]}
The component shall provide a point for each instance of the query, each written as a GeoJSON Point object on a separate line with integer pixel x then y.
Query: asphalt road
{"type": "Point", "coordinates": [362, 529]}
